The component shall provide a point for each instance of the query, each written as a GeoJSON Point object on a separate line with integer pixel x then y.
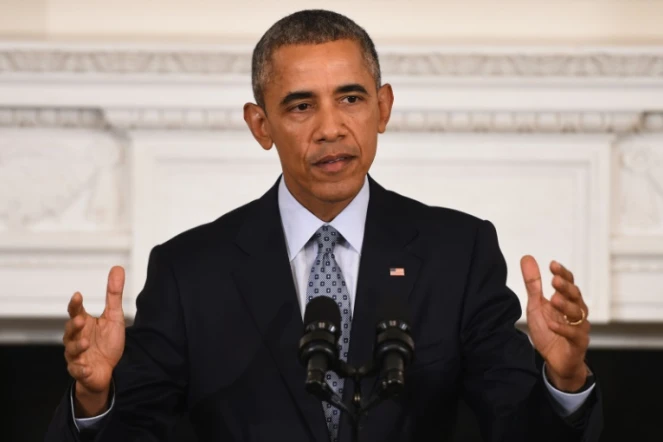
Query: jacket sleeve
{"type": "Point", "coordinates": [501, 381]}
{"type": "Point", "coordinates": [151, 377]}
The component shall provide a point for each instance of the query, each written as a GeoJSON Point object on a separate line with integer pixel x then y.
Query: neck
{"type": "Point", "coordinates": [327, 211]}
{"type": "Point", "coordinates": [323, 210]}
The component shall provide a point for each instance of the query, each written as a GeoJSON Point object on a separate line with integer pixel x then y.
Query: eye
{"type": "Point", "coordinates": [352, 99]}
{"type": "Point", "coordinates": [301, 107]}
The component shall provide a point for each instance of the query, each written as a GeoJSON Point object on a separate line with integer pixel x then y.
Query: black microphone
{"type": "Point", "coordinates": [394, 349]}
{"type": "Point", "coordinates": [318, 350]}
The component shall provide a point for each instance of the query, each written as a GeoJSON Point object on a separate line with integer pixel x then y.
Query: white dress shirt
{"type": "Point", "coordinates": [299, 225]}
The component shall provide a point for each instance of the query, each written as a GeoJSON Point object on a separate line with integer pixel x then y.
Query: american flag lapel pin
{"type": "Point", "coordinates": [396, 271]}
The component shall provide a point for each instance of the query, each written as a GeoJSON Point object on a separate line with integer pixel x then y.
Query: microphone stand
{"type": "Point", "coordinates": [393, 353]}
{"type": "Point", "coordinates": [357, 408]}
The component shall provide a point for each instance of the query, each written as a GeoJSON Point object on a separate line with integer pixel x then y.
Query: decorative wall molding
{"type": "Point", "coordinates": [78, 118]}
{"type": "Point", "coordinates": [638, 266]}
{"type": "Point", "coordinates": [38, 284]}
{"type": "Point", "coordinates": [520, 122]}
{"type": "Point", "coordinates": [637, 288]}
{"type": "Point", "coordinates": [594, 64]}
{"type": "Point", "coordinates": [640, 183]}
{"type": "Point", "coordinates": [176, 119]}
{"type": "Point", "coordinates": [123, 61]}
{"type": "Point", "coordinates": [402, 121]}
{"type": "Point", "coordinates": [436, 62]}
{"type": "Point", "coordinates": [59, 180]}
{"type": "Point", "coordinates": [104, 147]}
{"type": "Point", "coordinates": [450, 81]}
{"type": "Point", "coordinates": [637, 245]}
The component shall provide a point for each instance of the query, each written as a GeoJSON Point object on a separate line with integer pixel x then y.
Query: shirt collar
{"type": "Point", "coordinates": [299, 224]}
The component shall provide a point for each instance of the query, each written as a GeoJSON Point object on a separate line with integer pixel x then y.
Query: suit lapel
{"type": "Point", "coordinates": [264, 278]}
{"type": "Point", "coordinates": [388, 243]}
{"type": "Point", "coordinates": [266, 283]}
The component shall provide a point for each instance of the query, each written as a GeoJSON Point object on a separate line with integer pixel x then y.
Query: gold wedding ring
{"type": "Point", "coordinates": [579, 321]}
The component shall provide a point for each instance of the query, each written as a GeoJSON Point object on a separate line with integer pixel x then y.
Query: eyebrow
{"type": "Point", "coordinates": [294, 96]}
{"type": "Point", "coordinates": [303, 95]}
{"type": "Point", "coordinates": [356, 87]}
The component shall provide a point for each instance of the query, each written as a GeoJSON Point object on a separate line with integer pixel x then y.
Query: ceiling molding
{"type": "Point", "coordinates": [46, 117]}
{"type": "Point", "coordinates": [432, 62]}
{"type": "Point", "coordinates": [518, 122]}
{"type": "Point", "coordinates": [405, 121]}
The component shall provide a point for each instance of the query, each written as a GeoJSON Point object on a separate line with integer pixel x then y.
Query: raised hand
{"type": "Point", "coordinates": [558, 328]}
{"type": "Point", "coordinates": [93, 346]}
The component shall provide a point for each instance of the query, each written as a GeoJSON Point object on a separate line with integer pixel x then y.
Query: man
{"type": "Point", "coordinates": [219, 319]}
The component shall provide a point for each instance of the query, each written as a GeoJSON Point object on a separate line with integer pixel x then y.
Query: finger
{"type": "Point", "coordinates": [572, 310]}
{"type": "Point", "coordinates": [567, 288]}
{"type": "Point", "coordinates": [558, 269]}
{"type": "Point", "coordinates": [74, 348]}
{"type": "Point", "coordinates": [114, 289]}
{"type": "Point", "coordinates": [72, 327]}
{"type": "Point", "coordinates": [75, 306]}
{"type": "Point", "coordinates": [574, 333]}
{"type": "Point", "coordinates": [532, 278]}
{"type": "Point", "coordinates": [78, 371]}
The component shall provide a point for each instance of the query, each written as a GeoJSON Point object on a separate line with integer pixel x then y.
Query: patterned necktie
{"type": "Point", "coordinates": [326, 279]}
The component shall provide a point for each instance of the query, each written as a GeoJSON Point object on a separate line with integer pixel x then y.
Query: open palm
{"type": "Point", "coordinates": [94, 346]}
{"type": "Point", "coordinates": [561, 344]}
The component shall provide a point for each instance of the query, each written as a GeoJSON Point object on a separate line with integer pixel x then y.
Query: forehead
{"type": "Point", "coordinates": [318, 65]}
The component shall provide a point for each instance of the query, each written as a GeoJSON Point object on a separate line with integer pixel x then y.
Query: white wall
{"type": "Point", "coordinates": [554, 101]}
{"type": "Point", "coordinates": [388, 21]}
{"type": "Point", "coordinates": [108, 150]}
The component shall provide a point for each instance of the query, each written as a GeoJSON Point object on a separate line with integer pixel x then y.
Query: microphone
{"type": "Point", "coordinates": [394, 349]}
{"type": "Point", "coordinates": [318, 350]}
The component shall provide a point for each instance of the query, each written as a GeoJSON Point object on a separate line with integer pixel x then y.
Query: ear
{"type": "Point", "coordinates": [256, 119]}
{"type": "Point", "coordinates": [385, 103]}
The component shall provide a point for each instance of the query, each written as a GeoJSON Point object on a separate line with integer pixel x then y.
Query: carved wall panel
{"type": "Point", "coordinates": [639, 202]}
{"type": "Point", "coordinates": [63, 212]}
{"type": "Point", "coordinates": [62, 180]}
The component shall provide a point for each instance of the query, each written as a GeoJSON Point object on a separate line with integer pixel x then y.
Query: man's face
{"type": "Point", "coordinates": [323, 112]}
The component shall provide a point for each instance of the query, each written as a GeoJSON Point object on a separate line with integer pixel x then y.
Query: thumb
{"type": "Point", "coordinates": [114, 289]}
{"type": "Point", "coordinates": [532, 278]}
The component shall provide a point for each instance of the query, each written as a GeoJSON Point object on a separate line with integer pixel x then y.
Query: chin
{"type": "Point", "coordinates": [340, 191]}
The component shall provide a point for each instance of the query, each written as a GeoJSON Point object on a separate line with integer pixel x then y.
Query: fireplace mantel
{"type": "Point", "coordinates": [107, 150]}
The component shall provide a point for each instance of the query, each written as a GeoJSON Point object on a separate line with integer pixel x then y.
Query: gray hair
{"type": "Point", "coordinates": [314, 26]}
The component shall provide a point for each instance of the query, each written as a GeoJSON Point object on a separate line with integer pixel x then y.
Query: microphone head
{"type": "Point", "coordinates": [318, 345]}
{"type": "Point", "coordinates": [394, 346]}
{"type": "Point", "coordinates": [322, 309]}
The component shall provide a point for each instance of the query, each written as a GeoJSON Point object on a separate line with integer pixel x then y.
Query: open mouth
{"type": "Point", "coordinates": [335, 163]}
{"type": "Point", "coordinates": [333, 160]}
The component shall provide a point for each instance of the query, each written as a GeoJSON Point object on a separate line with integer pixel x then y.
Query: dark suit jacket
{"type": "Point", "coordinates": [218, 323]}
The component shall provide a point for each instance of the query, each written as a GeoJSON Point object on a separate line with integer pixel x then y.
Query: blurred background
{"type": "Point", "coordinates": [571, 22]}
{"type": "Point", "coordinates": [121, 126]}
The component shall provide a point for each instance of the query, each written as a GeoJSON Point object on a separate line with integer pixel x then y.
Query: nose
{"type": "Point", "coordinates": [330, 125]}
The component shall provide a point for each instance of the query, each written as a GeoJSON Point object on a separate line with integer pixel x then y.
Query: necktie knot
{"type": "Point", "coordinates": [327, 237]}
